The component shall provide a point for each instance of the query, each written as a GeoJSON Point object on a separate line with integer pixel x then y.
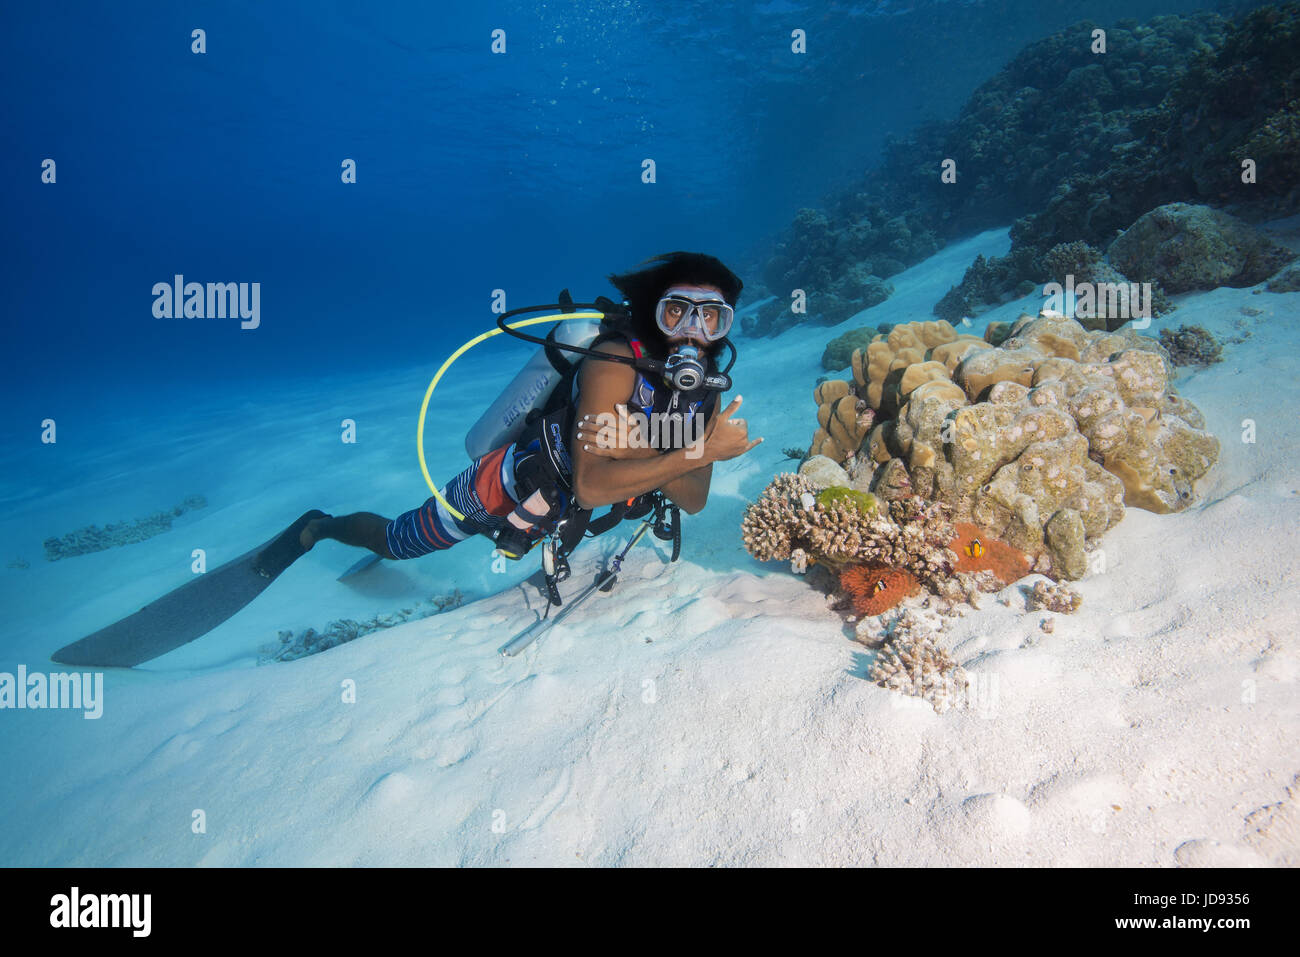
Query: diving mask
{"type": "Point", "coordinates": [690, 310]}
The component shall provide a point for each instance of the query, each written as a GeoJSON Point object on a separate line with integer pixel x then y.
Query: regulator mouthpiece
{"type": "Point", "coordinates": [684, 370]}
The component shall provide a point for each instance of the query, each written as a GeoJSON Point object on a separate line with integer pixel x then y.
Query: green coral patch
{"type": "Point", "coordinates": [838, 495]}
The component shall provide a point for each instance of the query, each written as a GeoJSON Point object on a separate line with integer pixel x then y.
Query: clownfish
{"type": "Point", "coordinates": [975, 549]}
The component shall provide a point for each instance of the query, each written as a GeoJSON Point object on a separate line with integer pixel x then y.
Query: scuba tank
{"type": "Point", "coordinates": [504, 420]}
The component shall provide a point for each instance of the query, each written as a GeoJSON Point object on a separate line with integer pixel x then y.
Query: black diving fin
{"type": "Point", "coordinates": [190, 611]}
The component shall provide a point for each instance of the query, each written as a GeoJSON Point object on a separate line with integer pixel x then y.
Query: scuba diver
{"type": "Point", "coordinates": [632, 423]}
{"type": "Point", "coordinates": [636, 425]}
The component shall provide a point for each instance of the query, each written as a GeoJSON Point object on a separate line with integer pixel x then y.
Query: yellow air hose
{"type": "Point", "coordinates": [424, 406]}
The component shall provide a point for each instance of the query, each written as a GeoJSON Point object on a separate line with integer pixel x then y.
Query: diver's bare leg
{"type": "Point", "coordinates": [361, 529]}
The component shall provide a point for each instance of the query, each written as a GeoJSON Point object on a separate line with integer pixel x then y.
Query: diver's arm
{"type": "Point", "coordinates": [691, 491]}
{"type": "Point", "coordinates": [599, 479]}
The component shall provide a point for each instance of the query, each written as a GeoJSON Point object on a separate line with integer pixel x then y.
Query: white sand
{"type": "Point", "coordinates": [709, 712]}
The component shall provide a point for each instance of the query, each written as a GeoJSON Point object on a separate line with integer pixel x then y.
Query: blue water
{"type": "Point", "coordinates": [475, 171]}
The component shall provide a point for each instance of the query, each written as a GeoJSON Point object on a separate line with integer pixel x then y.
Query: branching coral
{"type": "Point", "coordinates": [911, 662]}
{"type": "Point", "coordinates": [907, 534]}
{"type": "Point", "coordinates": [770, 524]}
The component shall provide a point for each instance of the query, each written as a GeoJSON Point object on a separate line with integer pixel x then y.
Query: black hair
{"type": "Point", "coordinates": [644, 287]}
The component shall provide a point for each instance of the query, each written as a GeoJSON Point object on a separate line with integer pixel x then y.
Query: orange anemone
{"type": "Point", "coordinates": [877, 588]}
{"type": "Point", "coordinates": [977, 552]}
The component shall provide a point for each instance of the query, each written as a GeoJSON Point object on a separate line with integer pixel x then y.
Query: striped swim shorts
{"type": "Point", "coordinates": [484, 493]}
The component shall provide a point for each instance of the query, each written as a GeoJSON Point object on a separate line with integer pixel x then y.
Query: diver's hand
{"type": "Point", "coordinates": [612, 440]}
{"type": "Point", "coordinates": [728, 437]}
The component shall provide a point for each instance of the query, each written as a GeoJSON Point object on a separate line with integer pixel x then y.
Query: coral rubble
{"type": "Point", "coordinates": [1053, 596]}
{"type": "Point", "coordinates": [339, 632]}
{"type": "Point", "coordinates": [1190, 346]}
{"type": "Point", "coordinates": [92, 538]}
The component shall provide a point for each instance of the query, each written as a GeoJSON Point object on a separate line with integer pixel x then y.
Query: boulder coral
{"type": "Point", "coordinates": [843, 420]}
{"type": "Point", "coordinates": [908, 357]}
{"type": "Point", "coordinates": [839, 350]}
{"type": "Point", "coordinates": [1042, 440]}
{"type": "Point", "coordinates": [1185, 246]}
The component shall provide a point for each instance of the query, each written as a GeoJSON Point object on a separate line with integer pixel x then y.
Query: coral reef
{"type": "Point", "coordinates": [839, 350]}
{"type": "Point", "coordinates": [985, 283]}
{"type": "Point", "coordinates": [911, 662]}
{"type": "Point", "coordinates": [841, 270]}
{"type": "Point", "coordinates": [1040, 441]}
{"type": "Point", "coordinates": [1053, 596]}
{"type": "Point", "coordinates": [1077, 263]}
{"type": "Point", "coordinates": [1190, 346]}
{"type": "Point", "coordinates": [1286, 280]}
{"type": "Point", "coordinates": [1078, 145]}
{"type": "Point", "coordinates": [1184, 247]}
{"type": "Point", "coordinates": [339, 632]}
{"type": "Point", "coordinates": [992, 282]}
{"type": "Point", "coordinates": [1073, 147]}
{"type": "Point", "coordinates": [1243, 101]}
{"type": "Point", "coordinates": [92, 538]}
{"type": "Point", "coordinates": [873, 589]}
{"type": "Point", "coordinates": [1233, 93]}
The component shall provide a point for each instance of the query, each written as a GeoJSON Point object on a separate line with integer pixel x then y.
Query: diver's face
{"type": "Point", "coordinates": [693, 292]}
